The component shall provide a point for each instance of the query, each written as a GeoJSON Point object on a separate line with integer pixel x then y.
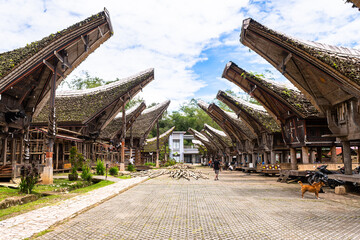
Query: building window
{"type": "Point", "coordinates": [176, 143]}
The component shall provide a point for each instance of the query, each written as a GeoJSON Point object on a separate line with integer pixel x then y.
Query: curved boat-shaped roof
{"type": "Point", "coordinates": [83, 106]}
{"type": "Point", "coordinates": [278, 99]}
{"type": "Point", "coordinates": [326, 74]}
{"type": "Point", "coordinates": [146, 121]}
{"type": "Point", "coordinates": [254, 115]}
{"type": "Point", "coordinates": [114, 128]}
{"type": "Point", "coordinates": [150, 144]}
{"type": "Point", "coordinates": [25, 73]}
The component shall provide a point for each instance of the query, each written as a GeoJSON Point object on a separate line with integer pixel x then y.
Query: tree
{"type": "Point", "coordinates": [84, 82]}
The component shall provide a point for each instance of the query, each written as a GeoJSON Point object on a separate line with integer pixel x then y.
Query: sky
{"type": "Point", "coordinates": [187, 42]}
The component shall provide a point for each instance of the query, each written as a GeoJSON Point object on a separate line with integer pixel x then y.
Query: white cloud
{"type": "Point", "coordinates": [172, 35]}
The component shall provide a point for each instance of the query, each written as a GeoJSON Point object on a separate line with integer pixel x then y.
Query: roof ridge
{"type": "Point", "coordinates": [103, 88]}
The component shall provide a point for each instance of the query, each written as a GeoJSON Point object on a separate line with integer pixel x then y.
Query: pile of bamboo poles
{"type": "Point", "coordinates": [181, 166]}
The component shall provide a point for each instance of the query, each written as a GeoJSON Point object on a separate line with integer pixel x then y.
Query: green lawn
{"type": "Point", "coordinates": [6, 192]}
{"type": "Point", "coordinates": [46, 200]}
{"type": "Point", "coordinates": [124, 177]}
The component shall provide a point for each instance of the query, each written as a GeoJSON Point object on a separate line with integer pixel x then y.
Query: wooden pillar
{"type": "Point", "coordinates": [21, 150]}
{"type": "Point", "coordinates": [4, 150]}
{"type": "Point", "coordinates": [157, 144]}
{"type": "Point", "coordinates": [137, 156]}
{"type": "Point", "coordinates": [305, 155]}
{"type": "Point", "coordinates": [57, 156]}
{"type": "Point", "coordinates": [293, 159]}
{"type": "Point", "coordinates": [122, 160]}
{"type": "Point", "coordinates": [358, 155]}
{"type": "Point", "coordinates": [13, 158]}
{"type": "Point", "coordinates": [333, 154]}
{"type": "Point", "coordinates": [272, 157]}
{"type": "Point", "coordinates": [131, 144]}
{"type": "Point", "coordinates": [319, 154]}
{"type": "Point", "coordinates": [347, 157]}
{"type": "Point", "coordinates": [312, 156]}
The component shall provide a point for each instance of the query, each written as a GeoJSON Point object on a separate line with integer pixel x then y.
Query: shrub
{"type": "Point", "coordinates": [100, 167]}
{"type": "Point", "coordinates": [29, 177]}
{"type": "Point", "coordinates": [150, 164]}
{"type": "Point", "coordinates": [131, 168]}
{"type": "Point", "coordinates": [86, 173]}
{"type": "Point", "coordinates": [73, 176]}
{"type": "Point", "coordinates": [114, 171]}
{"type": "Point", "coordinates": [170, 163]}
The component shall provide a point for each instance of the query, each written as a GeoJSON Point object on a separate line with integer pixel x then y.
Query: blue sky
{"type": "Point", "coordinates": [187, 42]}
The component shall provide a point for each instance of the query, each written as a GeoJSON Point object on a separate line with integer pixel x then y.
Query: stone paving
{"type": "Point", "coordinates": [238, 206]}
{"type": "Point", "coordinates": [25, 225]}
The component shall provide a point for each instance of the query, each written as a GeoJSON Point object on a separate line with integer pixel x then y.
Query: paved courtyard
{"type": "Point", "coordinates": [238, 206]}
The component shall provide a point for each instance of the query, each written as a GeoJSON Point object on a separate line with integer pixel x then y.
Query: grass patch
{"type": "Point", "coordinates": [47, 200]}
{"type": "Point", "coordinates": [6, 192]}
{"type": "Point", "coordinates": [100, 184]}
{"type": "Point", "coordinates": [124, 177]}
{"type": "Point", "coordinates": [43, 233]}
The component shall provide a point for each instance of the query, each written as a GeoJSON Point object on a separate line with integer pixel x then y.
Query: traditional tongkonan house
{"type": "Point", "coordinates": [212, 150]}
{"type": "Point", "coordinates": [268, 133]}
{"type": "Point", "coordinates": [87, 112]}
{"type": "Point", "coordinates": [142, 127]}
{"type": "Point", "coordinates": [152, 144]}
{"type": "Point", "coordinates": [299, 120]}
{"type": "Point", "coordinates": [29, 76]}
{"type": "Point", "coordinates": [233, 127]}
{"type": "Point", "coordinates": [327, 75]}
{"type": "Point", "coordinates": [113, 132]}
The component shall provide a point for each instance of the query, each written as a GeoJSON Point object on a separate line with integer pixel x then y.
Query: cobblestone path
{"type": "Point", "coordinates": [236, 207]}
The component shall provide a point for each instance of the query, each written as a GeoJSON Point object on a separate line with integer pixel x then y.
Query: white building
{"type": "Point", "coordinates": [181, 152]}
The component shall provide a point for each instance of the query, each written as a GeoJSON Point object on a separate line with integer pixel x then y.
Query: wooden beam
{"type": "Point", "coordinates": [282, 66]}
{"type": "Point", "coordinates": [85, 41]}
{"type": "Point", "coordinates": [62, 60]}
{"type": "Point", "coordinates": [101, 33]}
{"type": "Point", "coordinates": [52, 68]}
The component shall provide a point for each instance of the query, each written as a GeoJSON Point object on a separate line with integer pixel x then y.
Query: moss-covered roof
{"type": "Point", "coordinates": [150, 144]}
{"type": "Point", "coordinates": [82, 105]}
{"type": "Point", "coordinates": [12, 59]}
{"type": "Point", "coordinates": [115, 126]}
{"type": "Point", "coordinates": [345, 61]}
{"type": "Point", "coordinates": [258, 113]}
{"type": "Point", "coordinates": [355, 3]}
{"type": "Point", "coordinates": [199, 136]}
{"type": "Point", "coordinates": [285, 93]}
{"type": "Point", "coordinates": [239, 124]}
{"type": "Point", "coordinates": [146, 121]}
{"type": "Point", "coordinates": [222, 136]}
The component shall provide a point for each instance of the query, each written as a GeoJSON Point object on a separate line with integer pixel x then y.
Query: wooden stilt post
{"type": "Point", "coordinates": [21, 150]}
{"type": "Point", "coordinates": [333, 154]}
{"type": "Point", "coordinates": [13, 158]}
{"type": "Point", "coordinates": [293, 159]}
{"type": "Point", "coordinates": [266, 158]}
{"type": "Point", "coordinates": [347, 157]}
{"type": "Point", "coordinates": [272, 157]}
{"type": "Point", "coordinates": [4, 150]}
{"type": "Point", "coordinates": [319, 154]}
{"type": "Point", "coordinates": [122, 160]}
{"type": "Point", "coordinates": [131, 145]}
{"type": "Point", "coordinates": [305, 154]}
{"type": "Point", "coordinates": [47, 176]}
{"type": "Point", "coordinates": [157, 144]}
{"type": "Point", "coordinates": [57, 156]}
{"type": "Point", "coordinates": [358, 154]}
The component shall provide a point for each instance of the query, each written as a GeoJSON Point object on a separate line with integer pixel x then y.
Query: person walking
{"type": "Point", "coordinates": [217, 169]}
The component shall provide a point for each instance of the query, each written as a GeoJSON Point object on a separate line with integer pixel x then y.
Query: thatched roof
{"type": "Point", "coordinates": [147, 120]}
{"type": "Point", "coordinates": [221, 136]}
{"type": "Point", "coordinates": [355, 3]}
{"type": "Point", "coordinates": [114, 128]}
{"type": "Point", "coordinates": [228, 121]}
{"type": "Point", "coordinates": [238, 127]}
{"type": "Point", "coordinates": [25, 72]}
{"type": "Point", "coordinates": [255, 115]}
{"type": "Point", "coordinates": [326, 74]}
{"type": "Point", "coordinates": [199, 136]}
{"type": "Point", "coordinates": [150, 144]}
{"type": "Point", "coordinates": [81, 106]}
{"type": "Point", "coordinates": [271, 94]}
